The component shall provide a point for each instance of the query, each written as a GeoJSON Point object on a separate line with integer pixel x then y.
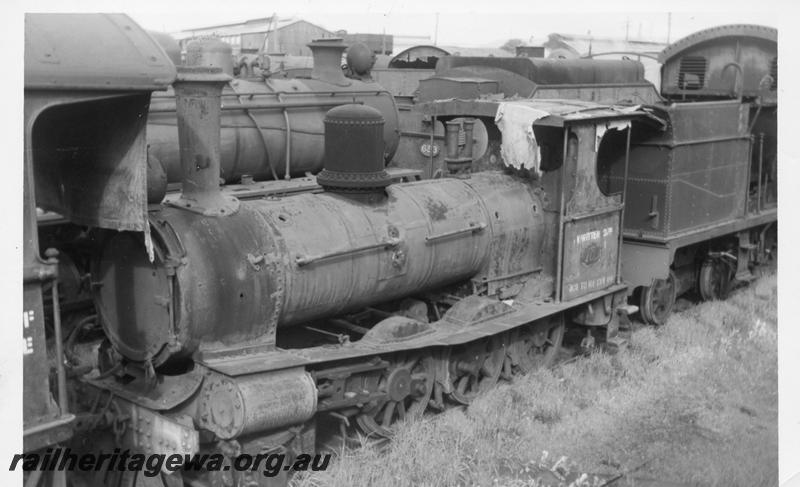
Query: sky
{"type": "Point", "coordinates": [466, 23]}
{"type": "Point", "coordinates": [472, 27]}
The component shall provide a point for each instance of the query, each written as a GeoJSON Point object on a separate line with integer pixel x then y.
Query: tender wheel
{"type": "Point", "coordinates": [408, 384]}
{"type": "Point", "coordinates": [475, 368]}
{"type": "Point", "coordinates": [658, 299]}
{"type": "Point", "coordinates": [714, 282]}
{"type": "Point", "coordinates": [536, 345]}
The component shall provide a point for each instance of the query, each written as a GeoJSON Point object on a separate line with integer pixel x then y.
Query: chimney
{"type": "Point", "coordinates": [197, 100]}
{"type": "Point", "coordinates": [210, 52]}
{"type": "Point", "coordinates": [328, 61]}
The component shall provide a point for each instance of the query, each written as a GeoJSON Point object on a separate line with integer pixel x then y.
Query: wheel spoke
{"type": "Point", "coordinates": [411, 363]}
{"type": "Point", "coordinates": [462, 384]}
{"type": "Point", "coordinates": [387, 414]}
{"type": "Point", "coordinates": [531, 348]}
{"type": "Point", "coordinates": [505, 374]}
{"type": "Point", "coordinates": [479, 365]}
{"type": "Point", "coordinates": [407, 394]}
{"type": "Point", "coordinates": [417, 376]}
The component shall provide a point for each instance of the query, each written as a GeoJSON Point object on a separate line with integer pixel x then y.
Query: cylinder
{"type": "Point", "coordinates": [234, 406]}
{"type": "Point", "coordinates": [451, 130]}
{"type": "Point", "coordinates": [469, 141]}
{"type": "Point", "coordinates": [237, 279]}
{"type": "Point", "coordinates": [197, 98]}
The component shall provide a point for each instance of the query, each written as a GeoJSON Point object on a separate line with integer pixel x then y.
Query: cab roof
{"type": "Point", "coordinates": [93, 52]}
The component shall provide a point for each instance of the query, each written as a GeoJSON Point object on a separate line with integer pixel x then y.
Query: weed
{"type": "Point", "coordinates": [691, 402]}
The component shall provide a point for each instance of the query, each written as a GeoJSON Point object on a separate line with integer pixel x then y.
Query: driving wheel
{"type": "Point", "coordinates": [536, 345]}
{"type": "Point", "coordinates": [408, 383]}
{"type": "Point", "coordinates": [475, 368]}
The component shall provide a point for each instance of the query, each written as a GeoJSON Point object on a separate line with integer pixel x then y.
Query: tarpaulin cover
{"type": "Point", "coordinates": [519, 148]}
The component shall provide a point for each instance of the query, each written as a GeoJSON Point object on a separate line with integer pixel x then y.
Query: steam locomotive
{"type": "Point", "coordinates": [235, 318]}
{"type": "Point", "coordinates": [700, 180]}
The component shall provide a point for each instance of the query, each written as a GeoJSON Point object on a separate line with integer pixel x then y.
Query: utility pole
{"type": "Point", "coordinates": [627, 27]}
{"type": "Point", "coordinates": [589, 33]}
{"type": "Point", "coordinates": [436, 31]}
{"type": "Point", "coordinates": [669, 25]}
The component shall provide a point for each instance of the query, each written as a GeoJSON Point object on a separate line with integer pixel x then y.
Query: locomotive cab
{"type": "Point", "coordinates": [566, 148]}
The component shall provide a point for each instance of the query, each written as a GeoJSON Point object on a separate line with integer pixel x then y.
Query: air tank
{"type": "Point", "coordinates": [273, 124]}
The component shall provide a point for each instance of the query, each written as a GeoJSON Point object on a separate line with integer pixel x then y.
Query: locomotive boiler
{"type": "Point", "coordinates": [286, 262]}
{"type": "Point", "coordinates": [271, 128]}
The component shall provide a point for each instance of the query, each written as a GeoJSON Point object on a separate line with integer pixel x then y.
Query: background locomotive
{"type": "Point", "coordinates": [271, 128]}
{"type": "Point", "coordinates": [701, 184]}
{"type": "Point", "coordinates": [702, 193]}
{"type": "Point", "coordinates": [230, 321]}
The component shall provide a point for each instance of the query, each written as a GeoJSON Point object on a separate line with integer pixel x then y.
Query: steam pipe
{"type": "Point", "coordinates": [451, 139]}
{"type": "Point", "coordinates": [459, 161]}
{"type": "Point", "coordinates": [469, 139]}
{"type": "Point", "coordinates": [271, 105]}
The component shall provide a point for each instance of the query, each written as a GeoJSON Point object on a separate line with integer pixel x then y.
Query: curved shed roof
{"type": "Point", "coordinates": [732, 30]}
{"type": "Point", "coordinates": [421, 49]}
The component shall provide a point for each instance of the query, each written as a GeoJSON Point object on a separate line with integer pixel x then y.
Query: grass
{"type": "Point", "coordinates": [693, 402]}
